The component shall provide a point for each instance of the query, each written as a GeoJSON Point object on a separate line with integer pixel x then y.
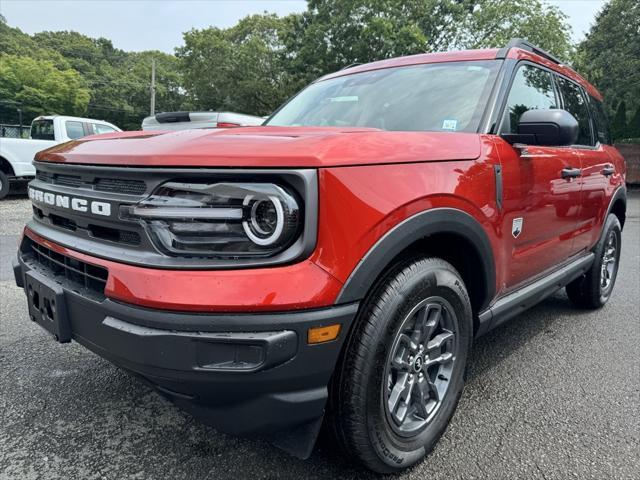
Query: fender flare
{"type": "Point", "coordinates": [620, 194]}
{"type": "Point", "coordinates": [414, 228]}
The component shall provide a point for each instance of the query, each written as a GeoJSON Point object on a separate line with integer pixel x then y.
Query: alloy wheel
{"type": "Point", "coordinates": [609, 261]}
{"type": "Point", "coordinates": [419, 366]}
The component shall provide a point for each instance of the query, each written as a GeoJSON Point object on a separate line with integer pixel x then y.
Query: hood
{"type": "Point", "coordinates": [265, 147]}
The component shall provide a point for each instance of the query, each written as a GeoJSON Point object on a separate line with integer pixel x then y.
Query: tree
{"type": "Point", "coordinates": [619, 123]}
{"type": "Point", "coordinates": [239, 68]}
{"type": "Point", "coordinates": [119, 81]}
{"type": "Point", "coordinates": [39, 87]}
{"type": "Point", "coordinates": [334, 33]}
{"type": "Point", "coordinates": [609, 56]}
{"type": "Point", "coordinates": [633, 129]}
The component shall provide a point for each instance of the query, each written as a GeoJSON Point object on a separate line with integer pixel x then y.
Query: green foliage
{"type": "Point", "coordinates": [239, 68]}
{"type": "Point", "coordinates": [619, 123]}
{"type": "Point", "coordinates": [117, 82]}
{"type": "Point", "coordinates": [334, 33]}
{"type": "Point", "coordinates": [40, 87]}
{"type": "Point", "coordinates": [633, 128]}
{"type": "Point", "coordinates": [609, 56]}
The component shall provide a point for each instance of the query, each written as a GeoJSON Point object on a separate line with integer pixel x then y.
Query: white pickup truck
{"type": "Point", "coordinates": [16, 154]}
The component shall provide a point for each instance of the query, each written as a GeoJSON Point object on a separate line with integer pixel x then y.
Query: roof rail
{"type": "Point", "coordinates": [355, 64]}
{"type": "Point", "coordinates": [530, 47]}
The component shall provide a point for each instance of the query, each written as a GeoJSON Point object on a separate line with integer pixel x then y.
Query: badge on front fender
{"type": "Point", "coordinates": [516, 227]}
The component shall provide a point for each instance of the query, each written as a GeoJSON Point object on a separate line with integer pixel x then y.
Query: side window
{"type": "Point", "coordinates": [601, 122]}
{"type": "Point", "coordinates": [576, 104]}
{"type": "Point", "coordinates": [74, 129]}
{"type": "Point", "coordinates": [99, 128]}
{"type": "Point", "coordinates": [532, 88]}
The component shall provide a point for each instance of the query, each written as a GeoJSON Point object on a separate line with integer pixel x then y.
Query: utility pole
{"type": "Point", "coordinates": [153, 86]}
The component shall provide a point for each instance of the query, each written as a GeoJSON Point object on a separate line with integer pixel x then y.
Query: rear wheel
{"type": "Point", "coordinates": [4, 185]}
{"type": "Point", "coordinates": [402, 372]}
{"type": "Point", "coordinates": [593, 289]}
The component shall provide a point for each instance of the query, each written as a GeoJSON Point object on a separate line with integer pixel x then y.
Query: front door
{"type": "Point", "coordinates": [541, 200]}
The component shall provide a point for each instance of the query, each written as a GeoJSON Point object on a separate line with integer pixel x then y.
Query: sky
{"type": "Point", "coordinates": [136, 25]}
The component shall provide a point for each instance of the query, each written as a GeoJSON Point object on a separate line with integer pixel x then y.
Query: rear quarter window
{"type": "Point", "coordinates": [74, 129]}
{"type": "Point", "coordinates": [42, 130]}
{"type": "Point", "coordinates": [99, 128]}
{"type": "Point", "coordinates": [601, 123]}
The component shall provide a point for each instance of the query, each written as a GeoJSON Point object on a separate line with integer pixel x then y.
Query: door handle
{"type": "Point", "coordinates": [571, 172]}
{"type": "Point", "coordinates": [608, 170]}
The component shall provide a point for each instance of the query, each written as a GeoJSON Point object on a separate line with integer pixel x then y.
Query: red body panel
{"type": "Point", "coordinates": [267, 147]}
{"type": "Point", "coordinates": [299, 286]}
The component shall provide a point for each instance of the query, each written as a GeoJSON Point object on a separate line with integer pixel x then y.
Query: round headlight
{"type": "Point", "coordinates": [266, 220]}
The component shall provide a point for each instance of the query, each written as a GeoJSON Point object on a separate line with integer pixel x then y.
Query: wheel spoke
{"type": "Point", "coordinates": [439, 360]}
{"type": "Point", "coordinates": [400, 360]}
{"type": "Point", "coordinates": [398, 401]}
{"type": "Point", "coordinates": [427, 397]}
{"type": "Point", "coordinates": [427, 321]}
{"type": "Point", "coordinates": [405, 341]}
{"type": "Point", "coordinates": [438, 341]}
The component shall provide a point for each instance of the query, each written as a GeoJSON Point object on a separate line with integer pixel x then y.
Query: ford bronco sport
{"type": "Point", "coordinates": [336, 263]}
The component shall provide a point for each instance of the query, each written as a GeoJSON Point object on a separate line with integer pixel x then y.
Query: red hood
{"type": "Point", "coordinates": [265, 147]}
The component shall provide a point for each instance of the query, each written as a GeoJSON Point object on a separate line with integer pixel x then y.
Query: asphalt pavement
{"type": "Point", "coordinates": [553, 394]}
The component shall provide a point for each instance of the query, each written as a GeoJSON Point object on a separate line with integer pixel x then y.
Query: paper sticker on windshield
{"type": "Point", "coordinates": [449, 125]}
{"type": "Point", "coordinates": [350, 98]}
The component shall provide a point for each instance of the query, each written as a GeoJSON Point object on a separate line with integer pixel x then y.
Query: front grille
{"type": "Point", "coordinates": [68, 180]}
{"type": "Point", "coordinates": [117, 185]}
{"type": "Point", "coordinates": [63, 222]}
{"type": "Point", "coordinates": [91, 277]}
{"type": "Point", "coordinates": [114, 185]}
{"type": "Point", "coordinates": [114, 235]}
{"type": "Point", "coordinates": [44, 176]}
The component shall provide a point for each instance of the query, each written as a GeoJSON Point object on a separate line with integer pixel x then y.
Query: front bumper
{"type": "Point", "coordinates": [244, 373]}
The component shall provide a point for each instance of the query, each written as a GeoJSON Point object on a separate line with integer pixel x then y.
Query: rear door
{"type": "Point", "coordinates": [541, 202]}
{"type": "Point", "coordinates": [597, 169]}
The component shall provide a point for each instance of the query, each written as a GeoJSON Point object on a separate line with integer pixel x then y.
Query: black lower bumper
{"type": "Point", "coordinates": [242, 373]}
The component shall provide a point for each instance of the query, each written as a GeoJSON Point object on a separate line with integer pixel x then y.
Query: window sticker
{"type": "Point", "coordinates": [450, 125]}
{"type": "Point", "coordinates": [351, 98]}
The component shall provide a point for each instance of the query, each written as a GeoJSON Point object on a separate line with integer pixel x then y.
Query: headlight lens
{"type": "Point", "coordinates": [220, 220]}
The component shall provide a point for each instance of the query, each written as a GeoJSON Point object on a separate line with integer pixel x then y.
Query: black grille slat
{"type": "Point", "coordinates": [68, 180]}
{"type": "Point", "coordinates": [44, 176]}
{"type": "Point", "coordinates": [102, 184]}
{"type": "Point", "coordinates": [91, 277]}
{"type": "Point", "coordinates": [114, 235]}
{"type": "Point", "coordinates": [117, 185]}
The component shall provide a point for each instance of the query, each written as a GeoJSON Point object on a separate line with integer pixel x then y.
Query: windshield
{"type": "Point", "coordinates": [42, 130]}
{"type": "Point", "coordinates": [431, 97]}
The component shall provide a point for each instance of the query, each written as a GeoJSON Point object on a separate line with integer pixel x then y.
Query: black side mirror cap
{"type": "Point", "coordinates": [549, 127]}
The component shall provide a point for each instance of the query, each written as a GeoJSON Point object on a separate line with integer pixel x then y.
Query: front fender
{"type": "Point", "coordinates": [414, 228]}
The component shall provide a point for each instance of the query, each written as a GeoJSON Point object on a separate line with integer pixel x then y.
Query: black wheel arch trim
{"type": "Point", "coordinates": [411, 230]}
{"type": "Point", "coordinates": [620, 194]}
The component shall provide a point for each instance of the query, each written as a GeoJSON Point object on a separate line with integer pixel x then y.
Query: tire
{"type": "Point", "coordinates": [593, 289]}
{"type": "Point", "coordinates": [380, 358]}
{"type": "Point", "coordinates": [4, 185]}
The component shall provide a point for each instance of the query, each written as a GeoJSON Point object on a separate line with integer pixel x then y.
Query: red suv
{"type": "Point", "coordinates": [336, 262]}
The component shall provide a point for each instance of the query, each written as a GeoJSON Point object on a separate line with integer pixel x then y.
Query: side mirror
{"type": "Point", "coordinates": [545, 127]}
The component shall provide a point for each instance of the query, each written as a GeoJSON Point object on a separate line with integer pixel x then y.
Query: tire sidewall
{"type": "Point", "coordinates": [4, 185]}
{"type": "Point", "coordinates": [612, 224]}
{"type": "Point", "coordinates": [395, 451]}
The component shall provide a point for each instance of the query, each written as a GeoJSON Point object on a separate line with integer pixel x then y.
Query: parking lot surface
{"type": "Point", "coordinates": [555, 393]}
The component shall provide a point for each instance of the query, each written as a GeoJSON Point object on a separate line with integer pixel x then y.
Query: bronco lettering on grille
{"type": "Point", "coordinates": [70, 203]}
